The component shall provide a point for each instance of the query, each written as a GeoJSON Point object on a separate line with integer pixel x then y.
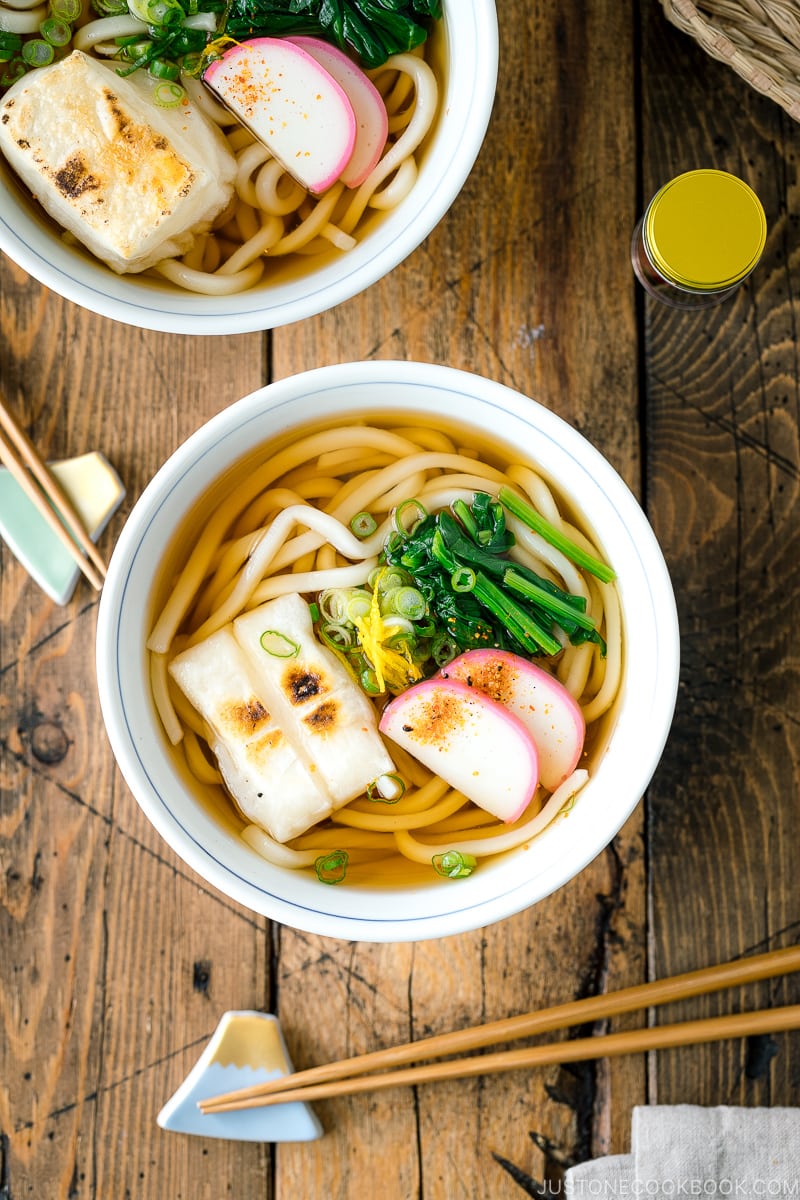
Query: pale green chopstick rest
{"type": "Point", "coordinates": [96, 491]}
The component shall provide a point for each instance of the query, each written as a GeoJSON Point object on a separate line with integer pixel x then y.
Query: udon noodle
{"type": "Point", "coordinates": [284, 528]}
{"type": "Point", "coordinates": [272, 216]}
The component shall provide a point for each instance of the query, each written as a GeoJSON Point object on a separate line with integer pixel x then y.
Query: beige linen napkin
{"type": "Point", "coordinates": [689, 1151]}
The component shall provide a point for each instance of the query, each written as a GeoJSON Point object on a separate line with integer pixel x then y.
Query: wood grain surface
{"type": "Point", "coordinates": [116, 961]}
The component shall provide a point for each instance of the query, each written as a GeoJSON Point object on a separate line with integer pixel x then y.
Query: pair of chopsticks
{"type": "Point", "coordinates": [352, 1075]}
{"type": "Point", "coordinates": [19, 455]}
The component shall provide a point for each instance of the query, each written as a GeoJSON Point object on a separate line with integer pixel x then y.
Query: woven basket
{"type": "Point", "coordinates": [759, 39]}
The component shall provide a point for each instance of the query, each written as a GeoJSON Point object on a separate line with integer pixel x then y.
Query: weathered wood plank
{"type": "Point", "coordinates": [116, 962]}
{"type": "Point", "coordinates": [723, 459]}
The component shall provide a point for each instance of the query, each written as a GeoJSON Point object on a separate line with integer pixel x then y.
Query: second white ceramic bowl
{"type": "Point", "coordinates": [466, 44]}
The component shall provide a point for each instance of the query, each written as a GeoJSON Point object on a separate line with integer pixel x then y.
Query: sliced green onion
{"type": "Point", "coordinates": [333, 605]}
{"type": "Point", "coordinates": [568, 806]}
{"type": "Point", "coordinates": [192, 63]}
{"type": "Point", "coordinates": [546, 600]}
{"type": "Point", "coordinates": [452, 864]}
{"type": "Point", "coordinates": [67, 10]}
{"type": "Point", "coordinates": [55, 31]}
{"type": "Point", "coordinates": [399, 627]}
{"type": "Point", "coordinates": [13, 69]}
{"type": "Point", "coordinates": [369, 682]}
{"type": "Point", "coordinates": [363, 524]}
{"type": "Point", "coordinates": [535, 521]}
{"type": "Point", "coordinates": [425, 629]}
{"type": "Point", "coordinates": [401, 514]}
{"type": "Point", "coordinates": [444, 649]}
{"type": "Point", "coordinates": [374, 792]}
{"type": "Point", "coordinates": [358, 605]}
{"type": "Point", "coordinates": [338, 637]}
{"type": "Point", "coordinates": [388, 580]}
{"type": "Point", "coordinates": [138, 54]}
{"type": "Point", "coordinates": [313, 610]}
{"type": "Point", "coordinates": [168, 95]}
{"type": "Point", "coordinates": [331, 868]}
{"type": "Point", "coordinates": [462, 579]}
{"type": "Point", "coordinates": [37, 53]}
{"type": "Point", "coordinates": [157, 12]}
{"type": "Point", "coordinates": [110, 8]}
{"type": "Point", "coordinates": [409, 602]}
{"type": "Point", "coordinates": [278, 644]}
{"type": "Point", "coordinates": [161, 68]}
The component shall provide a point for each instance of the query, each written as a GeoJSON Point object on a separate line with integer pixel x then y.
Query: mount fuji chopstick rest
{"type": "Point", "coordinates": [246, 1048]}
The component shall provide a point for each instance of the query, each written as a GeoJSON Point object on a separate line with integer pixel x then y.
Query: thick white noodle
{"type": "Point", "coordinates": [613, 635]}
{"type": "Point", "coordinates": [22, 21]}
{"type": "Point", "coordinates": [205, 21]}
{"type": "Point", "coordinates": [208, 283]}
{"type": "Point", "coordinates": [249, 160]}
{"type": "Point", "coordinates": [270, 181]}
{"type": "Point", "coordinates": [424, 111]}
{"type": "Point", "coordinates": [237, 509]}
{"type": "Point", "coordinates": [259, 243]}
{"type": "Point", "coordinates": [480, 847]}
{"type": "Point", "coordinates": [105, 29]}
{"type": "Point", "coordinates": [557, 561]}
{"type": "Point", "coordinates": [334, 235]}
{"type": "Point", "coordinates": [314, 581]}
{"type": "Point", "coordinates": [276, 852]}
{"type": "Point", "coordinates": [538, 493]}
{"type": "Point", "coordinates": [326, 527]}
{"type": "Point", "coordinates": [398, 188]}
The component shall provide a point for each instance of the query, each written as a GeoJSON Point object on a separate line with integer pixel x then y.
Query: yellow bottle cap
{"type": "Point", "coordinates": [705, 230]}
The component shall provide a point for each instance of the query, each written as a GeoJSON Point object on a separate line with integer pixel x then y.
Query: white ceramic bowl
{"type": "Point", "coordinates": [466, 42]}
{"type": "Point", "coordinates": [632, 746]}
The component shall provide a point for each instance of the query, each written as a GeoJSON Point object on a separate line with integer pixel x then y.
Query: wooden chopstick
{"type": "Point", "coordinates": [632, 1041]}
{"type": "Point", "coordinates": [574, 1012]}
{"type": "Point", "coordinates": [19, 455]}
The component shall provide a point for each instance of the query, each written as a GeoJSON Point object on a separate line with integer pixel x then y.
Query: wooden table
{"type": "Point", "coordinates": [116, 961]}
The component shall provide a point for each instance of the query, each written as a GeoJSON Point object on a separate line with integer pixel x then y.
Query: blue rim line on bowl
{"type": "Point", "coordinates": [462, 388]}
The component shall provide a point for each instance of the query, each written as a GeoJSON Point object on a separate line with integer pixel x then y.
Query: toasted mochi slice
{"type": "Point", "coordinates": [475, 744]}
{"type": "Point", "coordinates": [291, 104]}
{"type": "Point", "coordinates": [545, 707]}
{"type": "Point", "coordinates": [258, 765]}
{"type": "Point", "coordinates": [132, 181]}
{"type": "Point", "coordinates": [321, 709]}
{"type": "Point", "coordinates": [372, 120]}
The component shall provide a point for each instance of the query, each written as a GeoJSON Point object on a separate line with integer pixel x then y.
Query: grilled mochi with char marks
{"type": "Point", "coordinates": [260, 769]}
{"type": "Point", "coordinates": [132, 181]}
{"type": "Point", "coordinates": [320, 708]}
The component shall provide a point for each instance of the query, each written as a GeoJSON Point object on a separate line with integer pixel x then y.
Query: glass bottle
{"type": "Point", "coordinates": [701, 235]}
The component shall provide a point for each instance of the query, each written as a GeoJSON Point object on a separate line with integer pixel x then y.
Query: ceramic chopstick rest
{"type": "Point", "coordinates": [96, 491]}
{"type": "Point", "coordinates": [246, 1048]}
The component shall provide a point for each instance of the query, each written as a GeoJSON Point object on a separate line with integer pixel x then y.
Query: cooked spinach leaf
{"type": "Point", "coordinates": [372, 29]}
{"type": "Point", "coordinates": [505, 603]}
